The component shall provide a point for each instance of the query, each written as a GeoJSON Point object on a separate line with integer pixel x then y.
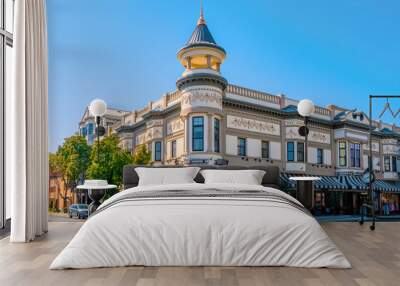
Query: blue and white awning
{"type": "Point", "coordinates": [325, 183]}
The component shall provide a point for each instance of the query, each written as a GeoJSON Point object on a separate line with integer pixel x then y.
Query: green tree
{"type": "Point", "coordinates": [72, 160]}
{"type": "Point", "coordinates": [108, 164]}
{"type": "Point", "coordinates": [142, 156]}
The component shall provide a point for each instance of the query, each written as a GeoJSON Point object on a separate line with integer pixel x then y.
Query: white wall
{"type": "Point", "coordinates": [312, 155]}
{"type": "Point", "coordinates": [375, 163]}
{"type": "Point", "coordinates": [275, 150]}
{"type": "Point", "coordinates": [180, 147]}
{"type": "Point", "coordinates": [365, 161]}
{"type": "Point", "coordinates": [327, 157]}
{"type": "Point", "coordinates": [253, 147]}
{"type": "Point", "coordinates": [168, 151]}
{"type": "Point", "coordinates": [231, 145]}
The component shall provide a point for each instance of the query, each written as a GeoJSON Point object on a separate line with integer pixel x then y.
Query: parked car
{"type": "Point", "coordinates": [78, 210]}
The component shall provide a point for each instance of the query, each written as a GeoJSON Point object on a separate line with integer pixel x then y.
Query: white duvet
{"type": "Point", "coordinates": [200, 231]}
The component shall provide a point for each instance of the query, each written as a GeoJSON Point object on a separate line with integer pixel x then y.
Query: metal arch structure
{"type": "Point", "coordinates": [371, 199]}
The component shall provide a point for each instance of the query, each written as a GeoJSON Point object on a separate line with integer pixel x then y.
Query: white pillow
{"type": "Point", "coordinates": [166, 176]}
{"type": "Point", "coordinates": [248, 177]}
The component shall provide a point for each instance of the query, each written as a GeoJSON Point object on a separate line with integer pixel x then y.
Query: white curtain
{"type": "Point", "coordinates": [27, 148]}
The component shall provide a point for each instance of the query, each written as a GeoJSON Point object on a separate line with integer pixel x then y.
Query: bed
{"type": "Point", "coordinates": [201, 224]}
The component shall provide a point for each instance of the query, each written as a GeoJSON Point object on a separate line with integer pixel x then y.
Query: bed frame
{"type": "Point", "coordinates": [270, 179]}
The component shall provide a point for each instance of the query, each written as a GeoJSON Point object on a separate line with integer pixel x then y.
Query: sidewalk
{"type": "Point", "coordinates": [355, 218]}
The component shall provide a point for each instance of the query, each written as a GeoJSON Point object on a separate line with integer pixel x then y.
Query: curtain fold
{"type": "Point", "coordinates": [27, 121]}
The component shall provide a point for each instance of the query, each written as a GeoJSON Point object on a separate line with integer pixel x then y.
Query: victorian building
{"type": "Point", "coordinates": [207, 120]}
{"type": "Point", "coordinates": [111, 118]}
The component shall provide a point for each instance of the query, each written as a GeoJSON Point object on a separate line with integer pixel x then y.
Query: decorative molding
{"type": "Point", "coordinates": [175, 125]}
{"type": "Point", "coordinates": [150, 134]}
{"type": "Point", "coordinates": [313, 136]}
{"type": "Point", "coordinates": [247, 124]}
{"type": "Point", "coordinates": [294, 122]}
{"type": "Point", "coordinates": [200, 96]}
{"type": "Point", "coordinates": [391, 149]}
{"type": "Point", "coordinates": [375, 146]}
{"type": "Point", "coordinates": [152, 123]}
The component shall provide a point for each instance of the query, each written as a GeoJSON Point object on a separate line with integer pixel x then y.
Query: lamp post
{"type": "Point", "coordinates": [98, 108]}
{"type": "Point", "coordinates": [304, 184]}
{"type": "Point", "coordinates": [305, 108]}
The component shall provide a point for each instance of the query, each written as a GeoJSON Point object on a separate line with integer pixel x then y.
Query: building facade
{"type": "Point", "coordinates": [60, 197]}
{"type": "Point", "coordinates": [209, 121]}
{"type": "Point", "coordinates": [87, 125]}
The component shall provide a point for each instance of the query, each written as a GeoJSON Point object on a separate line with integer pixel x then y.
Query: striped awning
{"type": "Point", "coordinates": [354, 183]}
{"type": "Point", "coordinates": [325, 183]}
{"type": "Point", "coordinates": [386, 186]}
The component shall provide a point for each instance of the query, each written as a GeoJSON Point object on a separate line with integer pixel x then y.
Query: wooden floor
{"type": "Point", "coordinates": [375, 257]}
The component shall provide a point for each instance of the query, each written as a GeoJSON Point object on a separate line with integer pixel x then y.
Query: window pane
{"type": "Point", "coordinates": [265, 149]}
{"type": "Point", "coordinates": [290, 151]}
{"type": "Point", "coordinates": [300, 152]}
{"type": "Point", "coordinates": [198, 133]}
{"type": "Point", "coordinates": [216, 135]}
{"type": "Point", "coordinates": [242, 146]}
{"type": "Point", "coordinates": [8, 90]}
{"type": "Point", "coordinates": [386, 161]}
{"type": "Point", "coordinates": [9, 17]}
{"type": "Point", "coordinates": [173, 149]}
{"type": "Point", "coordinates": [394, 164]}
{"type": "Point", "coordinates": [1, 14]}
{"type": "Point", "coordinates": [342, 154]}
{"type": "Point", "coordinates": [157, 151]}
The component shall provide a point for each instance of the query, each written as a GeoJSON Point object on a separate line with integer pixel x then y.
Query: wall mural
{"type": "Point", "coordinates": [253, 125]}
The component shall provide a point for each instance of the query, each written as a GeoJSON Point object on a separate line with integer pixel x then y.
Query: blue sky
{"type": "Point", "coordinates": [124, 51]}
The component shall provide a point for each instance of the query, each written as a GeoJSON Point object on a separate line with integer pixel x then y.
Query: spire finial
{"type": "Point", "coordinates": [201, 19]}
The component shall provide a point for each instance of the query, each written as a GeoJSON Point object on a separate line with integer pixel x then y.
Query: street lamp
{"type": "Point", "coordinates": [305, 108]}
{"type": "Point", "coordinates": [98, 108]}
